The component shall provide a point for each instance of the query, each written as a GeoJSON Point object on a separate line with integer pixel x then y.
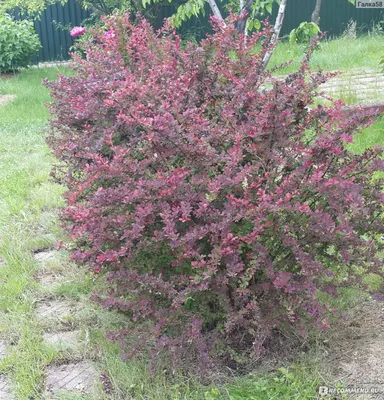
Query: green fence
{"type": "Point", "coordinates": [55, 41]}
{"type": "Point", "coordinates": [335, 15]}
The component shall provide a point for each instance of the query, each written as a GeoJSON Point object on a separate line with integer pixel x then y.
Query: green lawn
{"type": "Point", "coordinates": [29, 203]}
{"type": "Point", "coordinates": [342, 54]}
{"type": "Point", "coordinates": [370, 137]}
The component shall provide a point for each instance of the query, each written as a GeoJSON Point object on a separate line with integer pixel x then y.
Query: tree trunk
{"type": "Point", "coordinates": [215, 9]}
{"type": "Point", "coordinates": [316, 13]}
{"type": "Point", "coordinates": [244, 12]}
{"type": "Point", "coordinates": [276, 32]}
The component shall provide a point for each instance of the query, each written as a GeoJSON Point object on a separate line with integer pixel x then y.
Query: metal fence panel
{"type": "Point", "coordinates": [335, 15]}
{"type": "Point", "coordinates": [55, 41]}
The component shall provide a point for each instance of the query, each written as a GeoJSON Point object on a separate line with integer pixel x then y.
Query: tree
{"type": "Point", "coordinates": [251, 10]}
{"type": "Point", "coordinates": [316, 12]}
{"type": "Point", "coordinates": [276, 31]}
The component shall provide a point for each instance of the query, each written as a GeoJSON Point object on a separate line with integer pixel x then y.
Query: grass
{"type": "Point", "coordinates": [341, 54]}
{"type": "Point", "coordinates": [29, 203]}
{"type": "Point", "coordinates": [369, 137]}
{"type": "Point", "coordinates": [349, 55]}
{"type": "Point", "coordinates": [24, 173]}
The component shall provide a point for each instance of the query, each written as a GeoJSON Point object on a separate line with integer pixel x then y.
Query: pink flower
{"type": "Point", "coordinates": [109, 34]}
{"type": "Point", "coordinates": [77, 31]}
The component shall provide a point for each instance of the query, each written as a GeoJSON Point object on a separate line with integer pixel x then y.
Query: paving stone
{"type": "Point", "coordinates": [47, 279]}
{"type": "Point", "coordinates": [42, 256]}
{"type": "Point", "coordinates": [64, 340]}
{"type": "Point", "coordinates": [56, 310]}
{"type": "Point", "coordinates": [5, 389]}
{"type": "Point", "coordinates": [75, 377]}
{"type": "Point", "coordinates": [54, 64]}
{"type": "Point", "coordinates": [365, 86]}
{"type": "Point", "coordinates": [3, 349]}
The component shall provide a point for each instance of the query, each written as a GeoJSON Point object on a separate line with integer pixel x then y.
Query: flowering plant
{"type": "Point", "coordinates": [77, 31]}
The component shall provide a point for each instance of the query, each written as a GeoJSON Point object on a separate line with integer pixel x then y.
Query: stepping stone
{"type": "Point", "coordinates": [3, 349]}
{"type": "Point", "coordinates": [56, 310]}
{"type": "Point", "coordinates": [43, 256]}
{"type": "Point", "coordinates": [75, 377]}
{"type": "Point", "coordinates": [64, 340]}
{"type": "Point", "coordinates": [48, 278]}
{"type": "Point", "coordinates": [5, 389]}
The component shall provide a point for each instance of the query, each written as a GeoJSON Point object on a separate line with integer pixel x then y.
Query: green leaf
{"type": "Point", "coordinates": [256, 24]}
{"type": "Point", "coordinates": [292, 36]}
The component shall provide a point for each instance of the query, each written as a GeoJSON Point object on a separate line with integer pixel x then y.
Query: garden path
{"type": "Point", "coordinates": [76, 375]}
{"type": "Point", "coordinates": [357, 87]}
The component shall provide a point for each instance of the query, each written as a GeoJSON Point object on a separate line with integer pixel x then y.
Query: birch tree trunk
{"type": "Point", "coordinates": [316, 13]}
{"type": "Point", "coordinates": [276, 32]}
{"type": "Point", "coordinates": [215, 9]}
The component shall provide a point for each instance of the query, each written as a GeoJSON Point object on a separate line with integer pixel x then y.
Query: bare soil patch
{"type": "Point", "coordinates": [7, 98]}
{"type": "Point", "coordinates": [356, 352]}
{"type": "Point", "coordinates": [7, 75]}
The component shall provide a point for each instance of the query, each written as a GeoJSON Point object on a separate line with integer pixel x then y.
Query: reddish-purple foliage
{"type": "Point", "coordinates": [218, 203]}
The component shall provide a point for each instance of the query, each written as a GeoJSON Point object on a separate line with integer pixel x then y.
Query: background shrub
{"type": "Point", "coordinates": [18, 43]}
{"type": "Point", "coordinates": [219, 201]}
{"type": "Point", "coordinates": [304, 33]}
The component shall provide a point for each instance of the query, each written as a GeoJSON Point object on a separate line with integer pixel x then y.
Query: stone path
{"type": "Point", "coordinates": [56, 311]}
{"type": "Point", "coordinates": [63, 340]}
{"type": "Point", "coordinates": [52, 64]}
{"type": "Point", "coordinates": [359, 87]}
{"type": "Point", "coordinates": [75, 377]}
{"type": "Point", "coordinates": [44, 255]}
{"type": "Point", "coordinates": [3, 348]}
{"type": "Point", "coordinates": [5, 387]}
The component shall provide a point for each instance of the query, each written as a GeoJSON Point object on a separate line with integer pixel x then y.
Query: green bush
{"type": "Point", "coordinates": [18, 43]}
{"type": "Point", "coordinates": [304, 33]}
